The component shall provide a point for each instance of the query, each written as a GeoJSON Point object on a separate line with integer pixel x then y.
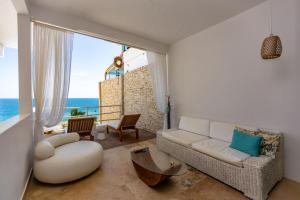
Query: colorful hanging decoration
{"type": "Point", "coordinates": [118, 62]}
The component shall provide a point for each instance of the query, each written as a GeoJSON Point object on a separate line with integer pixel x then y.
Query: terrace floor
{"type": "Point", "coordinates": [116, 179]}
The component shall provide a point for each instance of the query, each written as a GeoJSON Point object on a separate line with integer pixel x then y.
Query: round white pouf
{"type": "Point", "coordinates": [70, 161]}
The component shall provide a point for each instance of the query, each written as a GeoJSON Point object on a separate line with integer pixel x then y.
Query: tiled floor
{"type": "Point", "coordinates": [116, 179]}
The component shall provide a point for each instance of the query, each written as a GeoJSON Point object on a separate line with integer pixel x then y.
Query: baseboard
{"type": "Point", "coordinates": [26, 185]}
{"type": "Point", "coordinates": [292, 180]}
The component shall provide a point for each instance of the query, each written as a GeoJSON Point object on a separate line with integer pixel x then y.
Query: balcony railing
{"type": "Point", "coordinates": [88, 111]}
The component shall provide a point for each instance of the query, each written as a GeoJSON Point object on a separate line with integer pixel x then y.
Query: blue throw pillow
{"type": "Point", "coordinates": [250, 144]}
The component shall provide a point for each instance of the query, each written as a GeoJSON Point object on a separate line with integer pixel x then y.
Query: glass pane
{"type": "Point", "coordinates": [9, 89]}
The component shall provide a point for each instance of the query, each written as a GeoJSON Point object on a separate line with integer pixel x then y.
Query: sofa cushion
{"type": "Point", "coordinates": [220, 149]}
{"type": "Point", "coordinates": [210, 146]}
{"type": "Point", "coordinates": [233, 155]}
{"type": "Point", "coordinates": [271, 142]}
{"type": "Point", "coordinates": [246, 143]}
{"type": "Point", "coordinates": [224, 131]}
{"type": "Point", "coordinates": [183, 137]}
{"type": "Point", "coordinates": [221, 131]}
{"type": "Point", "coordinates": [194, 125]}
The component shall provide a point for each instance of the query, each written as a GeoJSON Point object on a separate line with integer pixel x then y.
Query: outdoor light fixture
{"type": "Point", "coordinates": [271, 47]}
{"type": "Point", "coordinates": [1, 50]}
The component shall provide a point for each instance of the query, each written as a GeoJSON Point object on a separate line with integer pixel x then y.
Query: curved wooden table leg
{"type": "Point", "coordinates": [149, 178]}
{"type": "Point", "coordinates": [147, 170]}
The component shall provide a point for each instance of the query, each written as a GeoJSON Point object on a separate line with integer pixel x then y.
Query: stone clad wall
{"type": "Point", "coordinates": [138, 97]}
{"type": "Point", "coordinates": [110, 93]}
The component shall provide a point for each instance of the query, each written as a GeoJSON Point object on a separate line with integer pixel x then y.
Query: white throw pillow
{"type": "Point", "coordinates": [194, 125]}
{"type": "Point", "coordinates": [221, 131]}
{"type": "Point", "coordinates": [44, 150]}
{"type": "Point", "coordinates": [224, 131]}
{"type": "Point", "coordinates": [61, 139]}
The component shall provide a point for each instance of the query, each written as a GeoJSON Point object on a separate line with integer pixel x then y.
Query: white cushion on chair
{"type": "Point", "coordinates": [114, 123]}
{"type": "Point", "coordinates": [194, 125]}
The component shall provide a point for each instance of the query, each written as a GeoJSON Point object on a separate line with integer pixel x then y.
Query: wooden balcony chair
{"type": "Point", "coordinates": [82, 125]}
{"type": "Point", "coordinates": [126, 122]}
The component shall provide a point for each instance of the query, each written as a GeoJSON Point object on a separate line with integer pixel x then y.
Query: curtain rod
{"type": "Point", "coordinates": [98, 36]}
{"type": "Point", "coordinates": [53, 26]}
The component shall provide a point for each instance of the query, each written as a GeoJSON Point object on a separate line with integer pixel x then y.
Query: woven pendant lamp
{"type": "Point", "coordinates": [271, 47]}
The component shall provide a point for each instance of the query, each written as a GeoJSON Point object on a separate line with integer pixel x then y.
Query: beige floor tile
{"type": "Point", "coordinates": [116, 179]}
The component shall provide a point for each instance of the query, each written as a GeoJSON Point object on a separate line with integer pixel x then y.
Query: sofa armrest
{"type": "Point", "coordinates": [261, 174]}
{"type": "Point", "coordinates": [262, 161]}
{"type": "Point", "coordinates": [257, 162]}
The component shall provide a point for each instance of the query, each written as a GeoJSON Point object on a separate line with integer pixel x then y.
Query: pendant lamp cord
{"type": "Point", "coordinates": [271, 17]}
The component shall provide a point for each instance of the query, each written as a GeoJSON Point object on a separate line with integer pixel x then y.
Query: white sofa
{"type": "Point", "coordinates": [63, 158]}
{"type": "Point", "coordinates": [204, 144]}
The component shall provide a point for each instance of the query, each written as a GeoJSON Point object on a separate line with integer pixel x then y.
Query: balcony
{"type": "Point", "coordinates": [113, 112]}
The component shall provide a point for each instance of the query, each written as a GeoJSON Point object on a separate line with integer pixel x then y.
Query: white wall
{"type": "Point", "coordinates": [219, 74]}
{"type": "Point", "coordinates": [24, 55]}
{"type": "Point", "coordinates": [16, 134]}
{"type": "Point", "coordinates": [16, 142]}
{"type": "Point", "coordinates": [21, 6]}
{"type": "Point", "coordinates": [134, 58]}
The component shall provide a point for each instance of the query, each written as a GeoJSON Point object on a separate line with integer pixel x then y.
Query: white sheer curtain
{"type": "Point", "coordinates": [158, 68]}
{"type": "Point", "coordinates": [51, 68]}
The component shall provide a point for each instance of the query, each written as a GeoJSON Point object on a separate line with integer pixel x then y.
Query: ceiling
{"type": "Point", "coordinates": [165, 21]}
{"type": "Point", "coordinates": [8, 24]}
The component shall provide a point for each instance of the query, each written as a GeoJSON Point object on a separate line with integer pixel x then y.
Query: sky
{"type": "Point", "coordinates": [9, 87]}
{"type": "Point", "coordinates": [91, 56]}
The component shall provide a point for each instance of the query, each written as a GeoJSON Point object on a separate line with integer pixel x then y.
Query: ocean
{"type": "Point", "coordinates": [10, 107]}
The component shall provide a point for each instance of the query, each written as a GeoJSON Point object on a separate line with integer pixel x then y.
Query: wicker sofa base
{"type": "Point", "coordinates": [255, 179]}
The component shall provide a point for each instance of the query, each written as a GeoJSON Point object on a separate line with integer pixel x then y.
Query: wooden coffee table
{"type": "Point", "coordinates": [153, 166]}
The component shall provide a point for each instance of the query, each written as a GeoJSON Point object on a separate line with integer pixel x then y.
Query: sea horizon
{"type": "Point", "coordinates": [68, 98]}
{"type": "Point", "coordinates": [9, 107]}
